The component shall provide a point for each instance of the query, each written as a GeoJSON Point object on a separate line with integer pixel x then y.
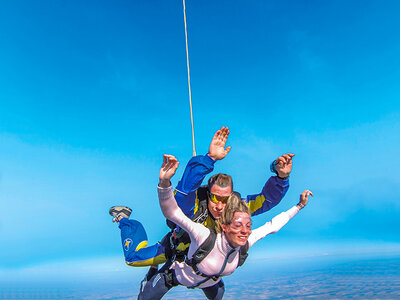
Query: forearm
{"type": "Point", "coordinates": [274, 225]}
{"type": "Point", "coordinates": [271, 195]}
{"type": "Point", "coordinates": [167, 201]}
{"type": "Point", "coordinates": [196, 170]}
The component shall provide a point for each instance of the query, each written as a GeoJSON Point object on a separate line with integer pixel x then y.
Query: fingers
{"type": "Point", "coordinates": [304, 195]}
{"type": "Point", "coordinates": [225, 131]}
{"type": "Point", "coordinates": [169, 157]}
{"type": "Point", "coordinates": [169, 161]}
{"type": "Point", "coordinates": [308, 192]}
{"type": "Point", "coordinates": [280, 160]}
{"type": "Point", "coordinates": [222, 134]}
{"type": "Point", "coordinates": [228, 149]}
{"type": "Point", "coordinates": [285, 158]}
{"type": "Point", "coordinates": [216, 135]}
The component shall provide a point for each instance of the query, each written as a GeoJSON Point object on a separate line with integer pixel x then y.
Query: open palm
{"type": "Point", "coordinates": [169, 166]}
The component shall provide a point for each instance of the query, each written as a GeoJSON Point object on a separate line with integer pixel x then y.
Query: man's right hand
{"type": "Point", "coordinates": [217, 150]}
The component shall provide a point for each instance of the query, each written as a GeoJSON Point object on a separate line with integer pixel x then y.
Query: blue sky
{"type": "Point", "coordinates": [92, 94]}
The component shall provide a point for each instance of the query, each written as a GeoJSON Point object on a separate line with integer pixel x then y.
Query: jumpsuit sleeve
{"type": "Point", "coordinates": [196, 170]}
{"type": "Point", "coordinates": [272, 193]}
{"type": "Point", "coordinates": [172, 212]}
{"type": "Point", "coordinates": [272, 226]}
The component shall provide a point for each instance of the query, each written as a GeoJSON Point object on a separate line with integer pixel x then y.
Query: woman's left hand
{"type": "Point", "coordinates": [304, 198]}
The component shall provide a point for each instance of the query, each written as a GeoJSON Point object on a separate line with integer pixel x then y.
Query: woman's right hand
{"type": "Point", "coordinates": [304, 198]}
{"type": "Point", "coordinates": [168, 169]}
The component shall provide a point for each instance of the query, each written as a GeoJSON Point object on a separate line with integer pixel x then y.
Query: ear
{"type": "Point", "coordinates": [224, 227]}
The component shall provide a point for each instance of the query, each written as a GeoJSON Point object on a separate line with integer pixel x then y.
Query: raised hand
{"type": "Point", "coordinates": [168, 169]}
{"type": "Point", "coordinates": [284, 165]}
{"type": "Point", "coordinates": [304, 198]}
{"type": "Point", "coordinates": [217, 150]}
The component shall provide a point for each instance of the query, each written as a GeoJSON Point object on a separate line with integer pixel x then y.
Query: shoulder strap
{"type": "Point", "coordinates": [178, 235]}
{"type": "Point", "coordinates": [202, 211]}
{"type": "Point", "coordinates": [243, 254]}
{"type": "Point", "coordinates": [201, 253]}
{"type": "Point", "coordinates": [204, 249]}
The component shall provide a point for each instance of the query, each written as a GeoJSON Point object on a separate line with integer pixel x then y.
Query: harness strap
{"type": "Point", "coordinates": [213, 277]}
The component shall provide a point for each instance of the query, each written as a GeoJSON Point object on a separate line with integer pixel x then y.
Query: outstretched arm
{"type": "Point", "coordinates": [280, 220]}
{"type": "Point", "coordinates": [275, 188]}
{"type": "Point", "coordinates": [168, 204]}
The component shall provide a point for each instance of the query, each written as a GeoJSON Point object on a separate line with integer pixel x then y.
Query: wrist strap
{"type": "Point", "coordinates": [272, 167]}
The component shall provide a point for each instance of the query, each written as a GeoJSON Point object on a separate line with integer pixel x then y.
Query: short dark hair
{"type": "Point", "coordinates": [220, 179]}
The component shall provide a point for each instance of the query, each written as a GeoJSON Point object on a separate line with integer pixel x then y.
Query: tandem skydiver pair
{"type": "Point", "coordinates": [205, 205]}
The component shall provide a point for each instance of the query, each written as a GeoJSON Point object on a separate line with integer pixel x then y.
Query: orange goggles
{"type": "Point", "coordinates": [216, 199]}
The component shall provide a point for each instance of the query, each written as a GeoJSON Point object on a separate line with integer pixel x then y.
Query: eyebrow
{"type": "Point", "coordinates": [251, 223]}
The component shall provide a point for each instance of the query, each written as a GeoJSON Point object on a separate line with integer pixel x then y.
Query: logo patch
{"type": "Point", "coordinates": [127, 244]}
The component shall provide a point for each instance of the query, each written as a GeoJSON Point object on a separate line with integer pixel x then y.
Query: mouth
{"type": "Point", "coordinates": [242, 238]}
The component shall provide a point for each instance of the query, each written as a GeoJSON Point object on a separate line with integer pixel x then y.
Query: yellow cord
{"type": "Point", "coordinates": [188, 69]}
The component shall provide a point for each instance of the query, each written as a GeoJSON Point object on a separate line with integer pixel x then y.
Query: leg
{"type": "Point", "coordinates": [158, 286]}
{"type": "Point", "coordinates": [215, 292]}
{"type": "Point", "coordinates": [134, 242]}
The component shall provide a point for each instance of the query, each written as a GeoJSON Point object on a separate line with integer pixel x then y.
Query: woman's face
{"type": "Point", "coordinates": [238, 231]}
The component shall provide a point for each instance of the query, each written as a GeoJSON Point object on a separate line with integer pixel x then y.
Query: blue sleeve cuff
{"type": "Point", "coordinates": [209, 159]}
{"type": "Point", "coordinates": [280, 180]}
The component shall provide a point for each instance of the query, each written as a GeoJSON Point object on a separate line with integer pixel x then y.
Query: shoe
{"type": "Point", "coordinates": [120, 211]}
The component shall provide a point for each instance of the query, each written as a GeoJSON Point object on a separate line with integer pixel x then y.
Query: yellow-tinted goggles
{"type": "Point", "coordinates": [216, 199]}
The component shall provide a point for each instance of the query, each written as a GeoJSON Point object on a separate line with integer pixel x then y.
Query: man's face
{"type": "Point", "coordinates": [216, 209]}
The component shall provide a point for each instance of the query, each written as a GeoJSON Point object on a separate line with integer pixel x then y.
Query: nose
{"type": "Point", "coordinates": [220, 205]}
{"type": "Point", "coordinates": [244, 229]}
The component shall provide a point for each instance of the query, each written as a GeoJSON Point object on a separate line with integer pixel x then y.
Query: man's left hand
{"type": "Point", "coordinates": [284, 165]}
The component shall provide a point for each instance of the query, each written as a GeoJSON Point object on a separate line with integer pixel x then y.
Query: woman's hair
{"type": "Point", "coordinates": [234, 204]}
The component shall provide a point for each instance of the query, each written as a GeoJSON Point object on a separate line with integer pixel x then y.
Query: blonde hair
{"type": "Point", "coordinates": [234, 204]}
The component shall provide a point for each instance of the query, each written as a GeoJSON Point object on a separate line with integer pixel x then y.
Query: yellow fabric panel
{"type": "Point", "coordinates": [256, 203]}
{"type": "Point", "coordinates": [196, 205]}
{"type": "Point", "coordinates": [209, 222]}
{"type": "Point", "coordinates": [182, 246]}
{"type": "Point", "coordinates": [141, 245]}
{"type": "Point", "coordinates": [158, 260]}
